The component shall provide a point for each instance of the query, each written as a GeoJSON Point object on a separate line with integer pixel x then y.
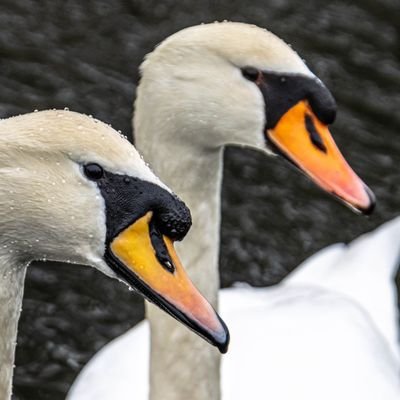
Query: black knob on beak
{"type": "Point", "coordinates": [173, 218]}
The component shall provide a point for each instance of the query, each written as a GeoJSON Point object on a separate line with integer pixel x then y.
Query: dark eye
{"type": "Point", "coordinates": [93, 171]}
{"type": "Point", "coordinates": [251, 73]}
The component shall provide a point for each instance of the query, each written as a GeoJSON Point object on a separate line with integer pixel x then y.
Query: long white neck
{"type": "Point", "coordinates": [11, 292]}
{"type": "Point", "coordinates": [183, 366]}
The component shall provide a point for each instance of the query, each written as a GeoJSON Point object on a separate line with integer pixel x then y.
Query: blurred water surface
{"type": "Point", "coordinates": [85, 56]}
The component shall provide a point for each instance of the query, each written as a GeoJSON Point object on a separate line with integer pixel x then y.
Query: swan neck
{"type": "Point", "coordinates": [196, 176]}
{"type": "Point", "coordinates": [12, 276]}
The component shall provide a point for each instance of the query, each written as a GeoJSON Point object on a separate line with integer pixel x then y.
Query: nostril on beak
{"type": "Point", "coordinates": [315, 137]}
{"type": "Point", "coordinates": [160, 248]}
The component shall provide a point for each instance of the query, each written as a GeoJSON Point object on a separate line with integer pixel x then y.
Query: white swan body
{"type": "Point", "coordinates": [72, 189]}
{"type": "Point", "coordinates": [201, 89]}
{"type": "Point", "coordinates": [314, 336]}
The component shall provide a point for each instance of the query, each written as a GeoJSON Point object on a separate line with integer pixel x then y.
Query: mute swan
{"type": "Point", "coordinates": [73, 190]}
{"type": "Point", "coordinates": [201, 89]}
{"type": "Point", "coordinates": [327, 331]}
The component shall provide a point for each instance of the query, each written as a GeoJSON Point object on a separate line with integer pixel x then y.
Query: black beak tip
{"type": "Point", "coordinates": [372, 202]}
{"type": "Point", "coordinates": [222, 342]}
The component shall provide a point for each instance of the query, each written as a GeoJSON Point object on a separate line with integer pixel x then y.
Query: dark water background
{"type": "Point", "coordinates": [85, 54]}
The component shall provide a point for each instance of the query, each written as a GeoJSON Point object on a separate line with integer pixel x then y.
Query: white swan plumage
{"type": "Point", "coordinates": [202, 89]}
{"type": "Point", "coordinates": [312, 336]}
{"type": "Point", "coordinates": [72, 189]}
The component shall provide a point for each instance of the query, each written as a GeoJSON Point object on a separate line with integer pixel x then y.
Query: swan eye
{"type": "Point", "coordinates": [93, 171]}
{"type": "Point", "coordinates": [251, 73]}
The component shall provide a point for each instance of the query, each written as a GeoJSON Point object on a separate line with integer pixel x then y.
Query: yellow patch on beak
{"type": "Point", "coordinates": [172, 287]}
{"type": "Point", "coordinates": [307, 142]}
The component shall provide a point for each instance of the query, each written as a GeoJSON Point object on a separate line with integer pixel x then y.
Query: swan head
{"type": "Point", "coordinates": [233, 83]}
{"type": "Point", "coordinates": [74, 190]}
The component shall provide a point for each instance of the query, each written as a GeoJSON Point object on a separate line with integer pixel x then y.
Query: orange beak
{"type": "Point", "coordinates": [307, 142]}
{"type": "Point", "coordinates": [151, 265]}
